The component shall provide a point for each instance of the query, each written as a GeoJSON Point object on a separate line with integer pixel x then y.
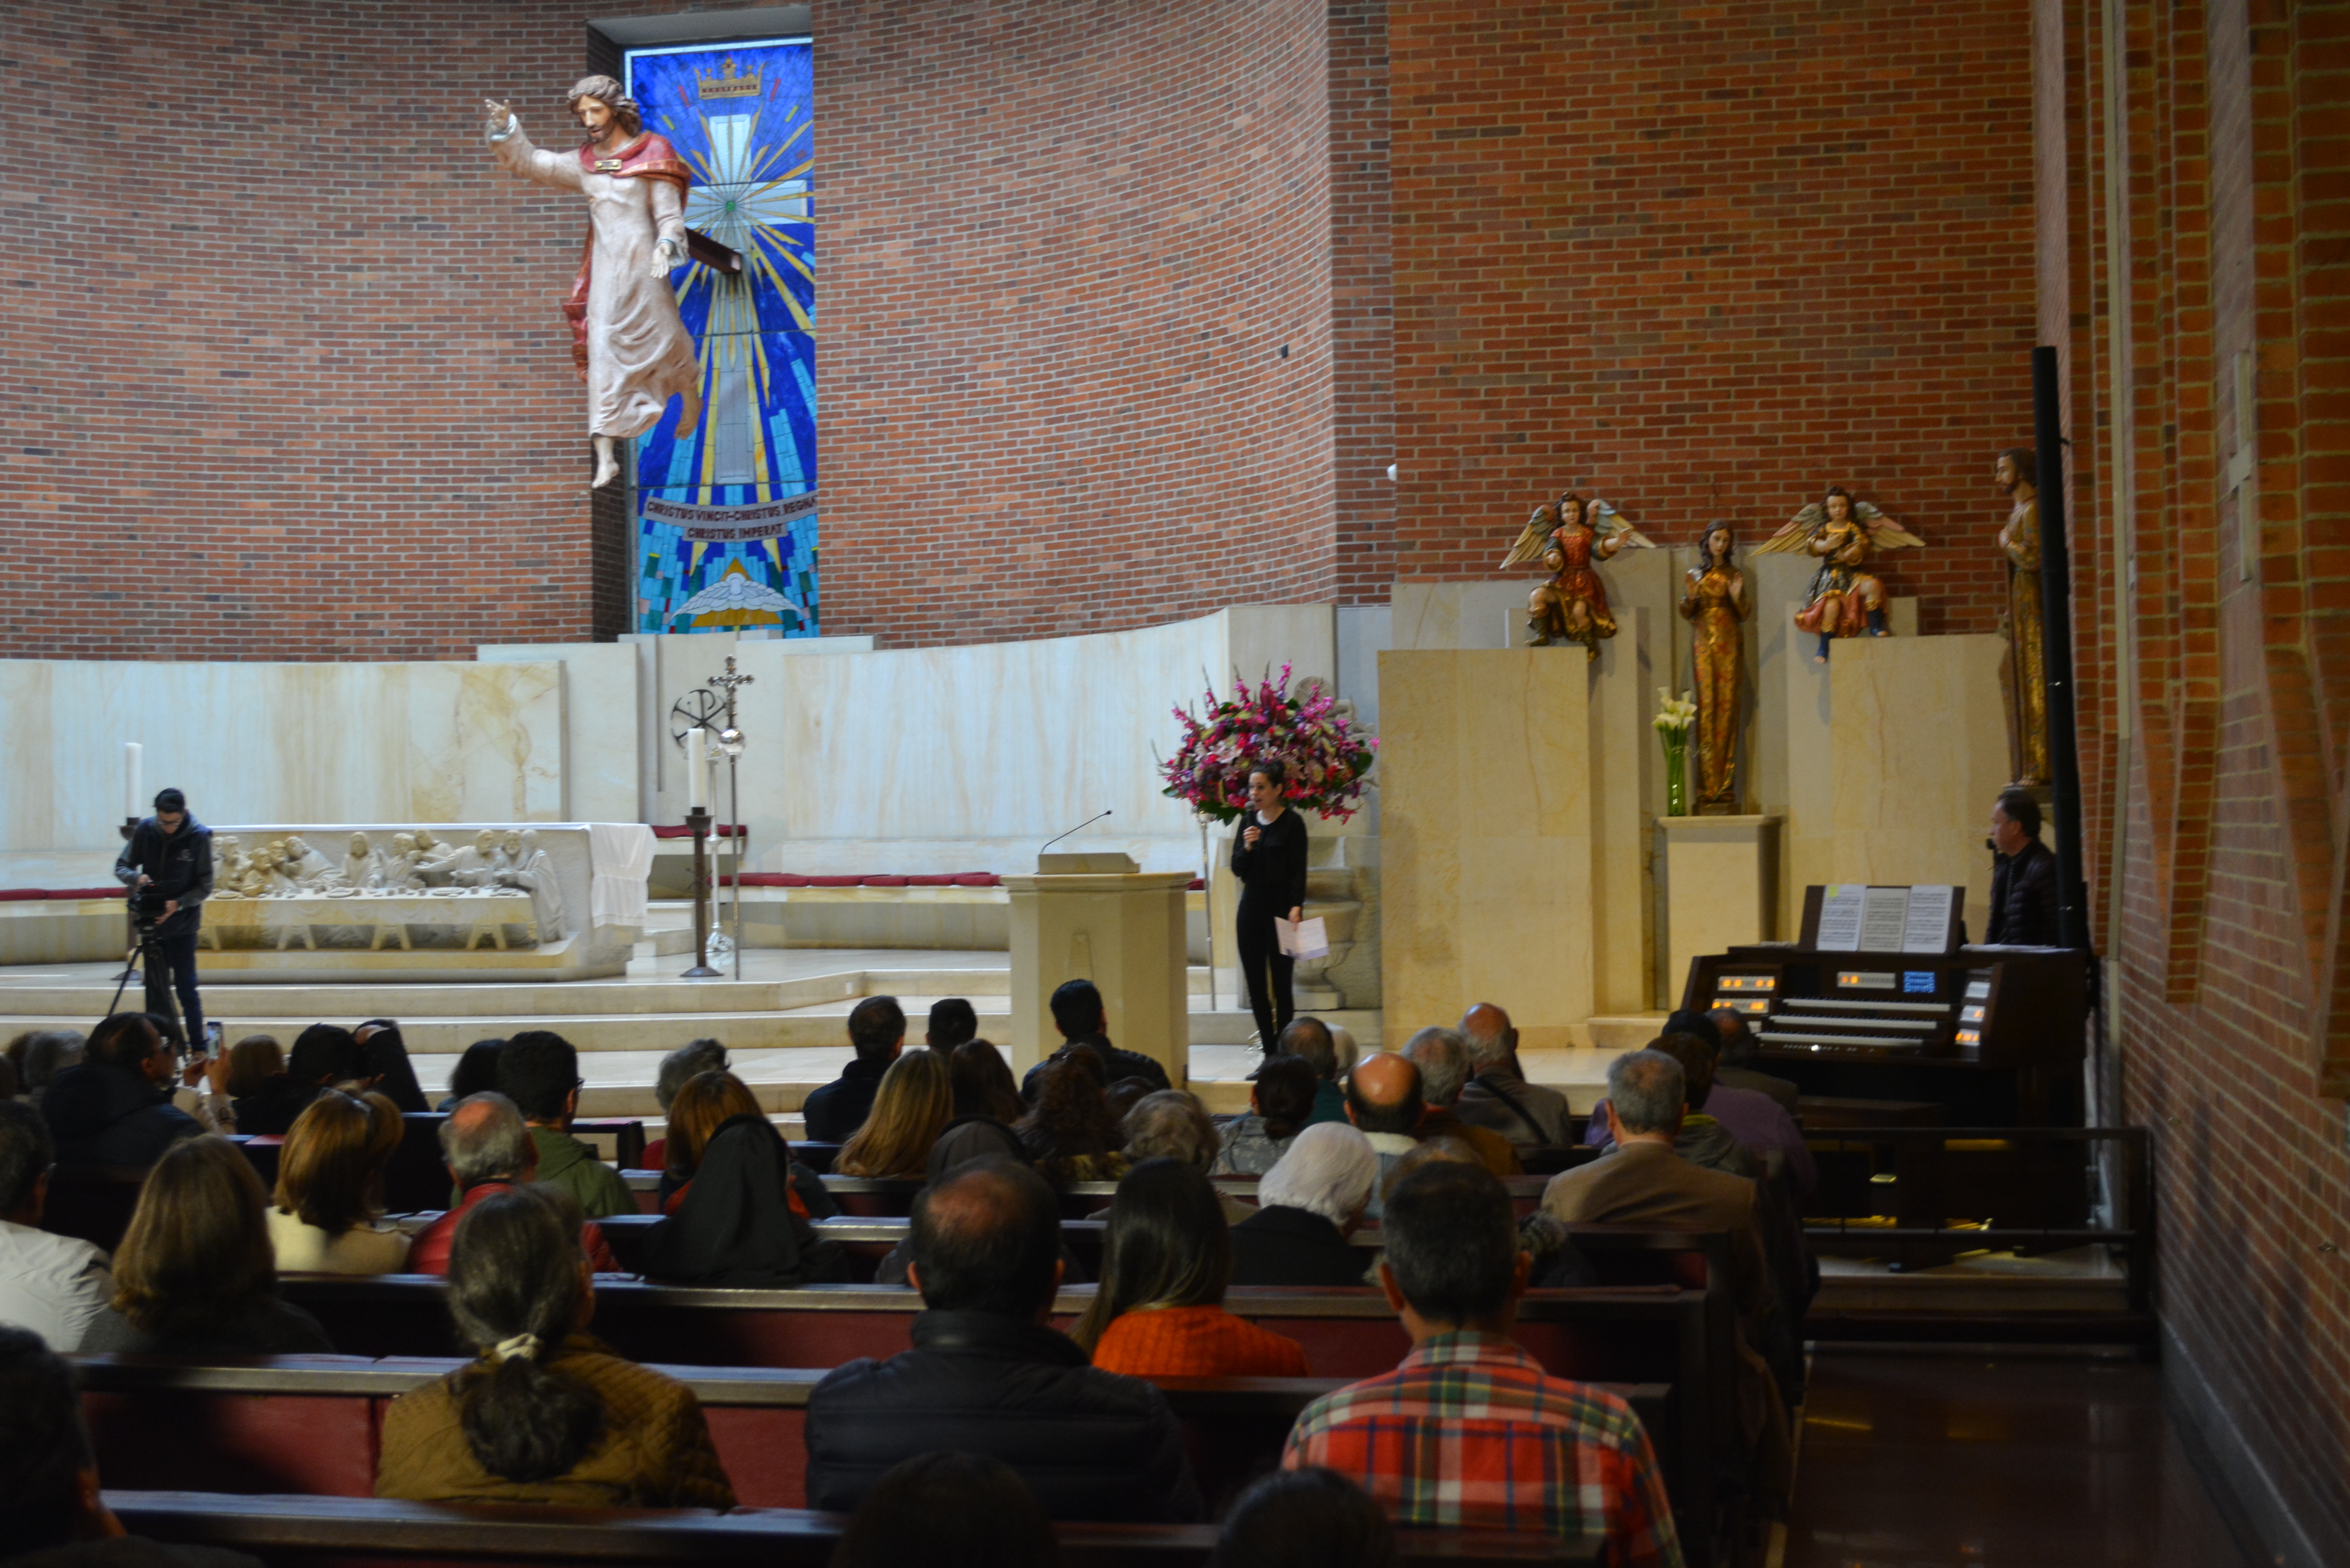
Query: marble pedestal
{"type": "Point", "coordinates": [1721, 886]}
{"type": "Point", "coordinates": [1094, 916]}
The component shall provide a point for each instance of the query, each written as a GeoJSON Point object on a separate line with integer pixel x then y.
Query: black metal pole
{"type": "Point", "coordinates": [697, 823]}
{"type": "Point", "coordinates": [2056, 628]}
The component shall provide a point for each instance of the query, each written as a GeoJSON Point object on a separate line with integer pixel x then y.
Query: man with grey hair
{"type": "Point", "coordinates": [1644, 1182]}
{"type": "Point", "coordinates": [487, 1146]}
{"type": "Point", "coordinates": [1498, 1095]}
{"type": "Point", "coordinates": [1306, 1206]}
{"type": "Point", "coordinates": [677, 1069]}
{"type": "Point", "coordinates": [1309, 1038]}
{"type": "Point", "coordinates": [1171, 1123]}
{"type": "Point", "coordinates": [1441, 1055]}
{"type": "Point", "coordinates": [47, 1052]}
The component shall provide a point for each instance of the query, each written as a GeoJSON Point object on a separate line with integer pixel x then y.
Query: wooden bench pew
{"type": "Point", "coordinates": [354, 1533]}
{"type": "Point", "coordinates": [311, 1425]}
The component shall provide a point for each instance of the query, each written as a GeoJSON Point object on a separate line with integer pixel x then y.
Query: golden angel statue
{"type": "Point", "coordinates": [1846, 599]}
{"type": "Point", "coordinates": [1570, 536]}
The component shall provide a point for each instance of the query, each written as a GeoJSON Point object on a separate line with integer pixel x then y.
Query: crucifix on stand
{"type": "Point", "coordinates": [730, 746]}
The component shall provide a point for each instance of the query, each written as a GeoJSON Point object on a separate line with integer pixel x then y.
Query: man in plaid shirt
{"type": "Point", "coordinates": [1470, 1432]}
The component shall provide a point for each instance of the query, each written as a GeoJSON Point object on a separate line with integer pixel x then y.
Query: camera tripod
{"type": "Point", "coordinates": [142, 960]}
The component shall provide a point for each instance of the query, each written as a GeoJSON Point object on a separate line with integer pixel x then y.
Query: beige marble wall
{"type": "Point", "coordinates": [435, 742]}
{"type": "Point", "coordinates": [1920, 747]}
{"type": "Point", "coordinates": [601, 723]}
{"type": "Point", "coordinates": [1487, 851]}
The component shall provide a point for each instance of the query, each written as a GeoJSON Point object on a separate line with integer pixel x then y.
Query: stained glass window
{"type": "Point", "coordinates": [726, 515]}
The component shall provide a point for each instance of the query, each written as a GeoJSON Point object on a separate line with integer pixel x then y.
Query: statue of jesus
{"type": "Point", "coordinates": [626, 336]}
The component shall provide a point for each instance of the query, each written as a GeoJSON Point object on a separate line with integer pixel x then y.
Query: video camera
{"type": "Point", "coordinates": [147, 907]}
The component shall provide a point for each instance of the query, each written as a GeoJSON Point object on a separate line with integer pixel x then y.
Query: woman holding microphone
{"type": "Point", "coordinates": [1269, 858]}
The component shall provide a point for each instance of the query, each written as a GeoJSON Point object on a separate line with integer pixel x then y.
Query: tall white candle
{"type": "Point", "coordinates": [697, 770]}
{"type": "Point", "coordinates": [133, 806]}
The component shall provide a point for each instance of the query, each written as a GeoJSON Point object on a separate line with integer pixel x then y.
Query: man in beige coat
{"type": "Point", "coordinates": [1644, 1182]}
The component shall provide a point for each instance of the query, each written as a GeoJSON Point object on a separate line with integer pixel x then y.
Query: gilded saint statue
{"type": "Point", "coordinates": [1715, 603]}
{"type": "Point", "coordinates": [1846, 599]}
{"type": "Point", "coordinates": [1570, 537]}
{"type": "Point", "coordinates": [2017, 475]}
{"type": "Point", "coordinates": [625, 335]}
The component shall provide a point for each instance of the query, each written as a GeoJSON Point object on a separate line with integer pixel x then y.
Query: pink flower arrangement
{"type": "Point", "coordinates": [1326, 758]}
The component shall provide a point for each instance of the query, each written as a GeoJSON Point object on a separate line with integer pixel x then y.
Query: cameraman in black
{"type": "Point", "coordinates": [168, 866]}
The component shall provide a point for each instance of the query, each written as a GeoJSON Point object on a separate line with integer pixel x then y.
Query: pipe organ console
{"type": "Point", "coordinates": [1995, 1035]}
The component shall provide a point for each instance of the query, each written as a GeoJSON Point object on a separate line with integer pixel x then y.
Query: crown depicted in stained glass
{"type": "Point", "coordinates": [728, 85]}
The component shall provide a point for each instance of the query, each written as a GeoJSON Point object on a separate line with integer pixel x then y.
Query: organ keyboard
{"type": "Point", "coordinates": [1995, 1033]}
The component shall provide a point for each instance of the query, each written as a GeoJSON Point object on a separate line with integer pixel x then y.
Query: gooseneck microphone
{"type": "Point", "coordinates": [1080, 827]}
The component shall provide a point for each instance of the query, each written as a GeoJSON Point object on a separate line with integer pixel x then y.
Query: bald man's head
{"type": "Point", "coordinates": [484, 1139]}
{"type": "Point", "coordinates": [1493, 1038]}
{"type": "Point", "coordinates": [1383, 1094]}
{"type": "Point", "coordinates": [988, 1238]}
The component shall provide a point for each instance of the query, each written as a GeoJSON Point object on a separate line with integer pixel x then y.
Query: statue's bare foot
{"type": "Point", "coordinates": [606, 468]}
{"type": "Point", "coordinates": [1819, 659]}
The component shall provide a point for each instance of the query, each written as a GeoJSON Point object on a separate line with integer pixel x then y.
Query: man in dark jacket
{"type": "Point", "coordinates": [986, 1376]}
{"type": "Point", "coordinates": [115, 1107]}
{"type": "Point", "coordinates": [1306, 1206]}
{"type": "Point", "coordinates": [1079, 1014]}
{"type": "Point", "coordinates": [877, 1029]}
{"type": "Point", "coordinates": [2023, 876]}
{"type": "Point", "coordinates": [168, 862]}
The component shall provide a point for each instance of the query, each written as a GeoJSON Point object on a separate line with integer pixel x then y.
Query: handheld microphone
{"type": "Point", "coordinates": [1081, 827]}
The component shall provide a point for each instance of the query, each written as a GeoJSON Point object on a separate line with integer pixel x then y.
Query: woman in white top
{"type": "Point", "coordinates": [330, 1188]}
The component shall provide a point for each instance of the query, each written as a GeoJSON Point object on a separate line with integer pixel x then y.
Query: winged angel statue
{"type": "Point", "coordinates": [1846, 599]}
{"type": "Point", "coordinates": [1570, 536]}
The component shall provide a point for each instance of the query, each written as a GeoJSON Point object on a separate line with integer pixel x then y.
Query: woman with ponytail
{"type": "Point", "coordinates": [542, 1415]}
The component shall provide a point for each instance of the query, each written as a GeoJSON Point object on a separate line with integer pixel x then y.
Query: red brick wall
{"type": "Point", "coordinates": [1062, 245]}
{"type": "Point", "coordinates": [283, 372]}
{"type": "Point", "coordinates": [1362, 301]}
{"type": "Point", "coordinates": [2227, 967]}
{"type": "Point", "coordinates": [1705, 259]}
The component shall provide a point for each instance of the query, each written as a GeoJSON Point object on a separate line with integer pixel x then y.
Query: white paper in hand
{"type": "Point", "coordinates": [1305, 939]}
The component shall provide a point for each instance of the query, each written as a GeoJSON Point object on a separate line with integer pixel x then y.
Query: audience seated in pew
{"type": "Point", "coordinates": [1308, 1517]}
{"type": "Point", "coordinates": [488, 1149]}
{"type": "Point", "coordinates": [384, 1063]}
{"type": "Point", "coordinates": [476, 1073]}
{"type": "Point", "coordinates": [1470, 1430]}
{"type": "Point", "coordinates": [1737, 1048]}
{"type": "Point", "coordinates": [877, 1032]}
{"type": "Point", "coordinates": [1068, 1133]}
{"type": "Point", "coordinates": [1645, 1182]}
{"type": "Point", "coordinates": [986, 1375]}
{"type": "Point", "coordinates": [539, 1072]}
{"type": "Point", "coordinates": [252, 1061]}
{"type": "Point", "coordinates": [1308, 1205]}
{"type": "Point", "coordinates": [1281, 1098]}
{"type": "Point", "coordinates": [690, 1060]}
{"type": "Point", "coordinates": [542, 1415]}
{"type": "Point", "coordinates": [50, 1498]}
{"type": "Point", "coordinates": [986, 1103]}
{"type": "Point", "coordinates": [1384, 1104]}
{"type": "Point", "coordinates": [56, 1286]}
{"type": "Point", "coordinates": [1497, 1094]}
{"type": "Point", "coordinates": [324, 1056]}
{"type": "Point", "coordinates": [1167, 1259]}
{"type": "Point", "coordinates": [322, 1217]}
{"type": "Point", "coordinates": [1310, 1039]}
{"type": "Point", "coordinates": [1442, 1057]}
{"type": "Point", "coordinates": [953, 1021]}
{"type": "Point", "coordinates": [1124, 1095]}
{"type": "Point", "coordinates": [1702, 1140]}
{"type": "Point", "coordinates": [741, 1222]}
{"type": "Point", "coordinates": [40, 1055]}
{"type": "Point", "coordinates": [950, 1511]}
{"type": "Point", "coordinates": [912, 1107]}
{"type": "Point", "coordinates": [196, 1275]}
{"type": "Point", "coordinates": [1083, 1020]}
{"type": "Point", "coordinates": [1171, 1123]}
{"type": "Point", "coordinates": [1758, 1110]}
{"type": "Point", "coordinates": [115, 1107]}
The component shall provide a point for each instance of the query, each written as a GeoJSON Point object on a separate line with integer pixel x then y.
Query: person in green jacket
{"type": "Point", "coordinates": [539, 1072]}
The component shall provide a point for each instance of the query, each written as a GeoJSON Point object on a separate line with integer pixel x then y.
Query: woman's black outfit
{"type": "Point", "coordinates": [736, 1229]}
{"type": "Point", "coordinates": [1272, 883]}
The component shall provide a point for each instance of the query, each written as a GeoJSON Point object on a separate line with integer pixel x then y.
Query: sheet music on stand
{"type": "Point", "coordinates": [1840, 912]}
{"type": "Point", "coordinates": [1927, 928]}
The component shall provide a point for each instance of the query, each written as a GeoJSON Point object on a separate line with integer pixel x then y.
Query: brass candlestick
{"type": "Point", "coordinates": [697, 823]}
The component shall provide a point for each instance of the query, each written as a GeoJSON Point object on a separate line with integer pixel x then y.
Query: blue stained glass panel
{"type": "Point", "coordinates": [726, 513]}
